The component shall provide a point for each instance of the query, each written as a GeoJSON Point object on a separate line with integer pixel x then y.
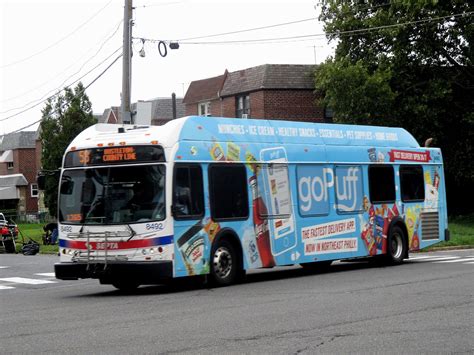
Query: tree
{"type": "Point", "coordinates": [409, 64]}
{"type": "Point", "coordinates": [63, 118]}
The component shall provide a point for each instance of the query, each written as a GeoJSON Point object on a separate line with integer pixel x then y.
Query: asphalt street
{"type": "Point", "coordinates": [423, 306]}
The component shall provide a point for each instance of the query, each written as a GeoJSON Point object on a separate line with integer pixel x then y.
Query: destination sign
{"type": "Point", "coordinates": [114, 155]}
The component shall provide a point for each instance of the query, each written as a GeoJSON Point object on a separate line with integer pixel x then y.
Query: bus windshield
{"type": "Point", "coordinates": [112, 195]}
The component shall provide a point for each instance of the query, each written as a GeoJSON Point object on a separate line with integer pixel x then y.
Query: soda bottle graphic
{"type": "Point", "coordinates": [262, 231]}
{"type": "Point", "coordinates": [436, 180]}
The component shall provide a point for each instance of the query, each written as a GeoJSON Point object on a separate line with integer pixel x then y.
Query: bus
{"type": "Point", "coordinates": [219, 196]}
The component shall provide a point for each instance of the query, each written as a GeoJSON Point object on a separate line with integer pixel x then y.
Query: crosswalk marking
{"type": "Point", "coordinates": [47, 274]}
{"type": "Point", "coordinates": [456, 260]}
{"type": "Point", "coordinates": [24, 280]}
{"type": "Point", "coordinates": [6, 287]}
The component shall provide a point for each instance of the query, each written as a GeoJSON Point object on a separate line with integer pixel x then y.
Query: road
{"type": "Point", "coordinates": [425, 305]}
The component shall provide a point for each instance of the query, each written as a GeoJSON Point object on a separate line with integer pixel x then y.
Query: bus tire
{"type": "Point", "coordinates": [317, 266]}
{"type": "Point", "coordinates": [125, 284]}
{"type": "Point", "coordinates": [225, 266]}
{"type": "Point", "coordinates": [9, 246]}
{"type": "Point", "coordinates": [396, 246]}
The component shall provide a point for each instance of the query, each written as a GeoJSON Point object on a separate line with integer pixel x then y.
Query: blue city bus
{"type": "Point", "coordinates": [219, 196]}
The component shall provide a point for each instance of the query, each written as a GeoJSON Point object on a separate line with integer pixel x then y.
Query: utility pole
{"type": "Point", "coordinates": [127, 62]}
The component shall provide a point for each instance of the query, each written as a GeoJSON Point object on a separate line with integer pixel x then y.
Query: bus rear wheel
{"type": "Point", "coordinates": [225, 266]}
{"type": "Point", "coordinates": [396, 246]}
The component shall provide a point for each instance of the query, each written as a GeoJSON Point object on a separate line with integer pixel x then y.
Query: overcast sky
{"type": "Point", "coordinates": [46, 45]}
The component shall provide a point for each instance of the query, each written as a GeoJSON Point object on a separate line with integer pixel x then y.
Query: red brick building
{"type": "Point", "coordinates": [270, 91]}
{"type": "Point", "coordinates": [18, 169]}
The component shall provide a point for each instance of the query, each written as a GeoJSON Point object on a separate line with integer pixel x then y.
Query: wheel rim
{"type": "Point", "coordinates": [396, 246]}
{"type": "Point", "coordinates": [222, 263]}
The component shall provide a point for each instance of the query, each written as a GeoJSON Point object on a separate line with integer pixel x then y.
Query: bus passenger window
{"type": "Point", "coordinates": [188, 201]}
{"type": "Point", "coordinates": [381, 184]}
{"type": "Point", "coordinates": [412, 184]}
{"type": "Point", "coordinates": [228, 191]}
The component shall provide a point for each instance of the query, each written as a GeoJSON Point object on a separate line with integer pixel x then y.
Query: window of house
{"type": "Point", "coordinates": [228, 191]}
{"type": "Point", "coordinates": [10, 165]}
{"type": "Point", "coordinates": [204, 108]}
{"type": "Point", "coordinates": [34, 190]}
{"type": "Point", "coordinates": [381, 184]}
{"type": "Point", "coordinates": [412, 184]}
{"type": "Point", "coordinates": [328, 114]}
{"type": "Point", "coordinates": [188, 196]}
{"type": "Point", "coordinates": [349, 190]}
{"type": "Point", "coordinates": [242, 106]}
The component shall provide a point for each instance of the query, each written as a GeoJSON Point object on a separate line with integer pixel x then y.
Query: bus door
{"type": "Point", "coordinates": [190, 238]}
{"type": "Point", "coordinates": [413, 183]}
{"type": "Point", "coordinates": [277, 197]}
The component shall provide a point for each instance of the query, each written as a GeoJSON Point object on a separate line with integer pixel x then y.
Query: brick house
{"type": "Point", "coordinates": [203, 96]}
{"type": "Point", "coordinates": [18, 169]}
{"type": "Point", "coordinates": [270, 91]}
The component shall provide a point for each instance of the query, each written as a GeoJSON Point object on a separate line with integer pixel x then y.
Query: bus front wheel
{"type": "Point", "coordinates": [224, 263]}
{"type": "Point", "coordinates": [396, 246]}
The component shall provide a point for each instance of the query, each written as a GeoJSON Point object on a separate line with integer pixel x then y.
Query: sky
{"type": "Point", "coordinates": [47, 45]}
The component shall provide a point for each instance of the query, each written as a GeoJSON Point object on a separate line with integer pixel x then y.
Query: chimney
{"type": "Point", "coordinates": [173, 101]}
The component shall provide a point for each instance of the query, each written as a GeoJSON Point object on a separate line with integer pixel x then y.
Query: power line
{"type": "Point", "coordinates": [42, 101]}
{"type": "Point", "coordinates": [337, 33]}
{"type": "Point", "coordinates": [162, 4]}
{"type": "Point", "coordinates": [65, 80]}
{"type": "Point", "coordinates": [249, 29]}
{"type": "Point", "coordinates": [58, 41]}
{"type": "Point", "coordinates": [82, 91]}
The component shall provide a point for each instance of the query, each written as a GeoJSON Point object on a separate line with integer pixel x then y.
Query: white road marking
{"type": "Point", "coordinates": [439, 258]}
{"type": "Point", "coordinates": [24, 280]}
{"type": "Point", "coordinates": [457, 260]}
{"type": "Point", "coordinates": [423, 257]}
{"type": "Point", "coordinates": [47, 274]}
{"type": "Point", "coordinates": [4, 267]}
{"type": "Point", "coordinates": [6, 287]}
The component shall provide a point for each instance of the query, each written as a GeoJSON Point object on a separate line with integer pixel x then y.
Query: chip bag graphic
{"type": "Point", "coordinates": [233, 152]}
{"type": "Point", "coordinates": [251, 163]}
{"type": "Point", "coordinates": [369, 240]}
{"type": "Point", "coordinates": [211, 228]}
{"type": "Point", "coordinates": [217, 153]}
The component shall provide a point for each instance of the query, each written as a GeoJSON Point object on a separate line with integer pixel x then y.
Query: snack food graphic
{"type": "Point", "coordinates": [217, 153]}
{"type": "Point", "coordinates": [233, 152]}
{"type": "Point", "coordinates": [191, 245]}
{"type": "Point", "coordinates": [262, 232]}
{"type": "Point", "coordinates": [211, 227]}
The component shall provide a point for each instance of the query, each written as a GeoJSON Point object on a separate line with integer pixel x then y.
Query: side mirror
{"type": "Point", "coordinates": [177, 210]}
{"type": "Point", "coordinates": [41, 181]}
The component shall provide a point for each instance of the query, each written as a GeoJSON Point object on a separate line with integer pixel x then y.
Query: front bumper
{"type": "Point", "coordinates": [144, 272]}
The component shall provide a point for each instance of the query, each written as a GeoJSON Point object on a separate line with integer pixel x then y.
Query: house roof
{"type": "Point", "coordinates": [18, 140]}
{"type": "Point", "coordinates": [205, 89]}
{"type": "Point", "coordinates": [162, 109]}
{"type": "Point", "coordinates": [269, 76]}
{"type": "Point", "coordinates": [13, 180]}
